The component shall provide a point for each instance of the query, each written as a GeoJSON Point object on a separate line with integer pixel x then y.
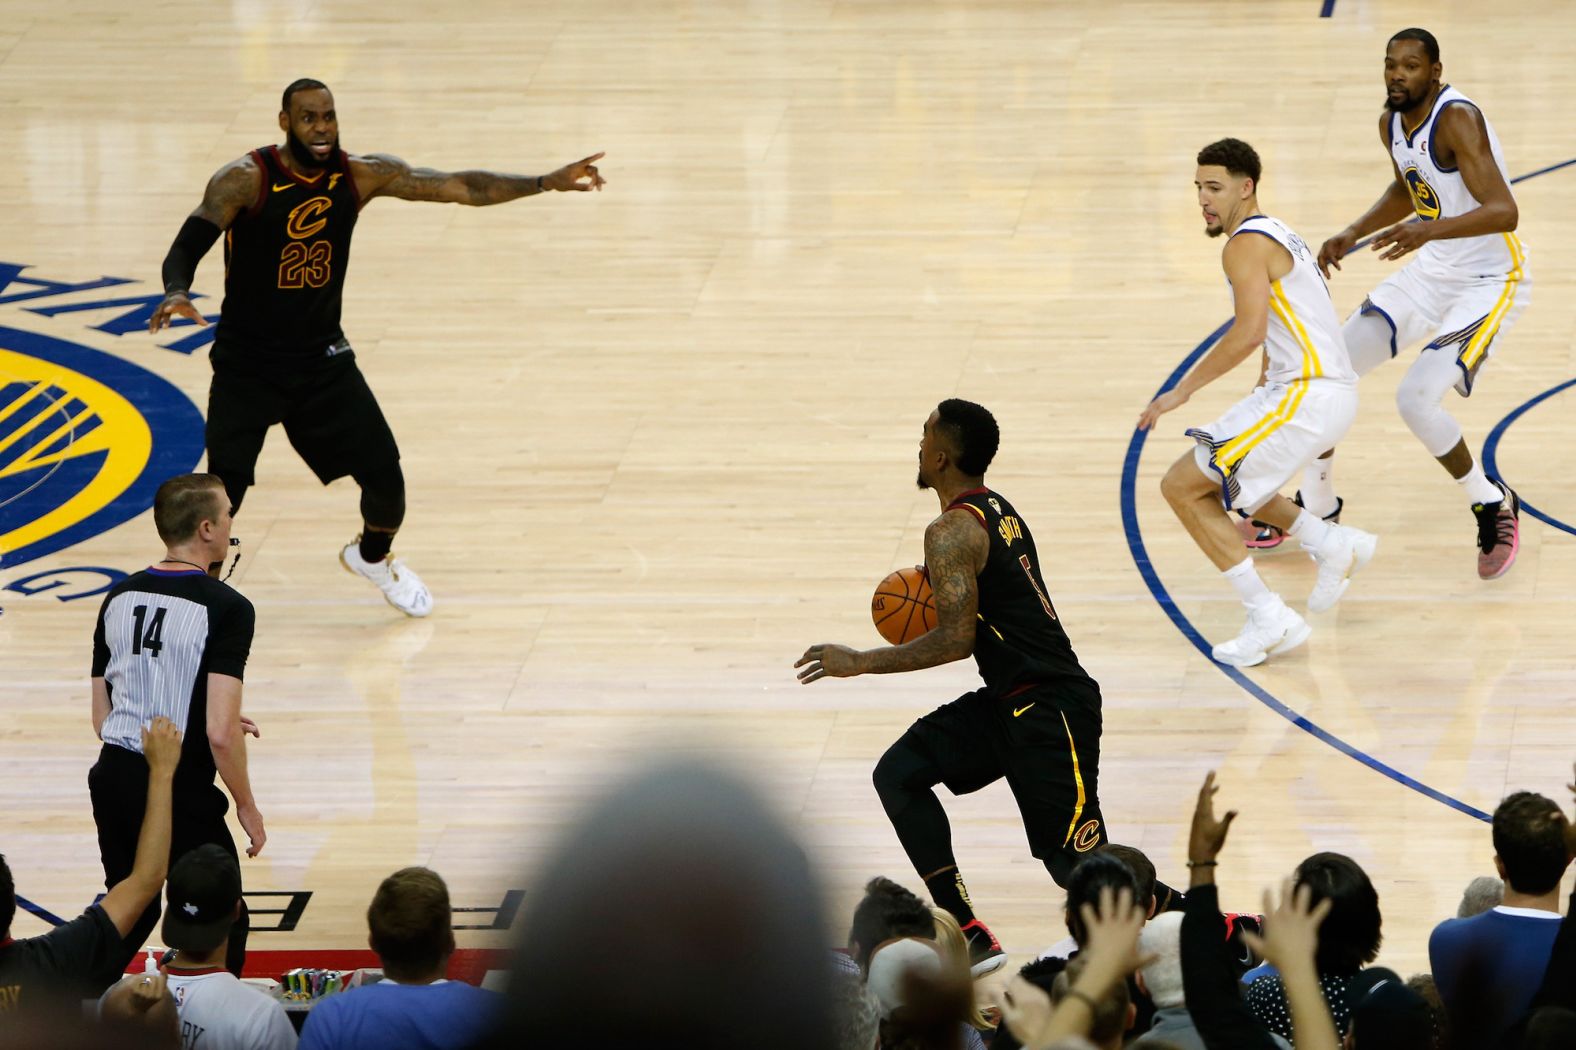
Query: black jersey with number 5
{"type": "Point", "coordinates": [1019, 641]}
{"type": "Point", "coordinates": [285, 258]}
{"type": "Point", "coordinates": [160, 635]}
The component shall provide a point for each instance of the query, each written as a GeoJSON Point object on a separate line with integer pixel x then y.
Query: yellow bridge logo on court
{"type": "Point", "coordinates": [85, 440]}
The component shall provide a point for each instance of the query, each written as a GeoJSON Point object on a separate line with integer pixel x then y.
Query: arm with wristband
{"type": "Point", "coordinates": [1208, 982]}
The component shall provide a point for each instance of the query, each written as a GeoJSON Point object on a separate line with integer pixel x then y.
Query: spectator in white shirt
{"type": "Point", "coordinates": [217, 1011]}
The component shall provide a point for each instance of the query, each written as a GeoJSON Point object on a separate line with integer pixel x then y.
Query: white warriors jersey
{"type": "Point", "coordinates": [1303, 338]}
{"type": "Point", "coordinates": [1439, 192]}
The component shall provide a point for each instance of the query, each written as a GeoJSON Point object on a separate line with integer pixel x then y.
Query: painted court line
{"type": "Point", "coordinates": [1146, 569]}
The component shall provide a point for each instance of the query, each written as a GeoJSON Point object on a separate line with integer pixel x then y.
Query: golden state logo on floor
{"type": "Point", "coordinates": [85, 440]}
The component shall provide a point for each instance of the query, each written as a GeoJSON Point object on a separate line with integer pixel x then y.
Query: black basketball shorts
{"type": "Point", "coordinates": [1046, 742]}
{"type": "Point", "coordinates": [327, 410]}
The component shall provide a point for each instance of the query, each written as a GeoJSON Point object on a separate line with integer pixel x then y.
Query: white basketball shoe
{"type": "Point", "coordinates": [1271, 629]}
{"type": "Point", "coordinates": [400, 586]}
{"type": "Point", "coordinates": [1340, 556]}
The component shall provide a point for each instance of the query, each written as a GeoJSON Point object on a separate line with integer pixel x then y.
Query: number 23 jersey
{"type": "Point", "coordinates": [285, 258]}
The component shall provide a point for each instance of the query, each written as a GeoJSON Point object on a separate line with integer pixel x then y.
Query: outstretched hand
{"type": "Point", "coordinates": [1334, 250]}
{"type": "Point", "coordinates": [176, 303]}
{"type": "Point", "coordinates": [1111, 953]}
{"type": "Point", "coordinates": [161, 746]}
{"type": "Point", "coordinates": [827, 661]}
{"type": "Point", "coordinates": [1402, 239]}
{"type": "Point", "coordinates": [1291, 928]}
{"type": "Point", "coordinates": [1207, 837]}
{"type": "Point", "coordinates": [1172, 398]}
{"type": "Point", "coordinates": [579, 176]}
{"type": "Point", "coordinates": [149, 990]}
{"type": "Point", "coordinates": [1113, 923]}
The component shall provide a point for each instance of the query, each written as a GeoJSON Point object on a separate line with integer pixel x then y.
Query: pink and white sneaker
{"type": "Point", "coordinates": [1499, 533]}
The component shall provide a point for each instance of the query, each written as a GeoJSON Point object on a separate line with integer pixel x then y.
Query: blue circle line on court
{"type": "Point", "coordinates": [1146, 569]}
{"type": "Point", "coordinates": [1491, 449]}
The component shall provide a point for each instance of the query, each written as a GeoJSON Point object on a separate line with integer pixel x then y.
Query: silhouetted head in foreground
{"type": "Point", "coordinates": [678, 911]}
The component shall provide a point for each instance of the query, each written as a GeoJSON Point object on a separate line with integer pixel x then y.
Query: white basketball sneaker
{"type": "Point", "coordinates": [400, 586]}
{"type": "Point", "coordinates": [1342, 553]}
{"type": "Point", "coordinates": [1271, 629]}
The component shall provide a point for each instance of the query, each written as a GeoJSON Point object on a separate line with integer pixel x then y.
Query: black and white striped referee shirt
{"type": "Point", "coordinates": [159, 635]}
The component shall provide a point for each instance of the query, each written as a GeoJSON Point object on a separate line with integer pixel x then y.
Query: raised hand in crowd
{"type": "Point", "coordinates": [1110, 955]}
{"type": "Point", "coordinates": [1207, 837]}
{"type": "Point", "coordinates": [1290, 941]}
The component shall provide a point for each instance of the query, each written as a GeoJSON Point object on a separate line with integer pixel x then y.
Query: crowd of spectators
{"type": "Point", "coordinates": [680, 912]}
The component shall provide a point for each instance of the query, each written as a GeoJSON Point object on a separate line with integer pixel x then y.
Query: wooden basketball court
{"type": "Point", "coordinates": [661, 438]}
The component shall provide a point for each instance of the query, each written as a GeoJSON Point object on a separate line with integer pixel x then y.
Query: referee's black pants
{"type": "Point", "coordinates": [118, 785]}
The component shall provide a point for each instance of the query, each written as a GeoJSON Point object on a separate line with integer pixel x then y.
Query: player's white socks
{"type": "Point", "coordinates": [1245, 580]}
{"type": "Point", "coordinates": [1311, 529]}
{"type": "Point", "coordinates": [1318, 487]}
{"type": "Point", "coordinates": [1478, 487]}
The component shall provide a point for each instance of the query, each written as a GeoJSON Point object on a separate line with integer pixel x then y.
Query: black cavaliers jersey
{"type": "Point", "coordinates": [1019, 641]}
{"type": "Point", "coordinates": [284, 260]}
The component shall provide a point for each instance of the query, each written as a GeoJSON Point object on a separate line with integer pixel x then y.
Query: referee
{"type": "Point", "coordinates": [172, 641]}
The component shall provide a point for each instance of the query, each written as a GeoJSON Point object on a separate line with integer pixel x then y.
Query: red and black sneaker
{"type": "Point", "coordinates": [985, 954]}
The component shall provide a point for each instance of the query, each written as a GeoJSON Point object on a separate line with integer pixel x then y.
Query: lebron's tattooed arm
{"type": "Point", "coordinates": [382, 175]}
{"type": "Point", "coordinates": [232, 189]}
{"type": "Point", "coordinates": [1394, 205]}
{"type": "Point", "coordinates": [955, 552]}
{"type": "Point", "coordinates": [1460, 136]}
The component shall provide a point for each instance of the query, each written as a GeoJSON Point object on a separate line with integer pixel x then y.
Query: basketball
{"type": "Point", "coordinates": [903, 607]}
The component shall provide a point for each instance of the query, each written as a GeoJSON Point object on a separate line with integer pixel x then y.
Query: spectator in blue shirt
{"type": "Point", "coordinates": [1489, 967]}
{"type": "Point", "coordinates": [413, 1008]}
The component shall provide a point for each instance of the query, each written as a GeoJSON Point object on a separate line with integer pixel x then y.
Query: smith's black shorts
{"type": "Point", "coordinates": [1046, 742]}
{"type": "Point", "coordinates": [325, 405]}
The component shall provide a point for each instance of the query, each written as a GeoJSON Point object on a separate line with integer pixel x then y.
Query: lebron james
{"type": "Point", "coordinates": [279, 356]}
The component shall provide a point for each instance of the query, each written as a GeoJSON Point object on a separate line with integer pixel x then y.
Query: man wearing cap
{"type": "Point", "coordinates": [217, 1011]}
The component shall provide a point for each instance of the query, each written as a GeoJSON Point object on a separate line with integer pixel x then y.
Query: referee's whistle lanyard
{"type": "Point", "coordinates": [213, 568]}
{"type": "Point", "coordinates": [235, 544]}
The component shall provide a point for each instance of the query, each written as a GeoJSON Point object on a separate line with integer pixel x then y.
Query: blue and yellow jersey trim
{"type": "Point", "coordinates": [1280, 306]}
{"type": "Point", "coordinates": [1478, 344]}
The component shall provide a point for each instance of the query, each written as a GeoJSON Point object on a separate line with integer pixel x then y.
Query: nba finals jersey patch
{"type": "Point", "coordinates": [1424, 199]}
{"type": "Point", "coordinates": [85, 440]}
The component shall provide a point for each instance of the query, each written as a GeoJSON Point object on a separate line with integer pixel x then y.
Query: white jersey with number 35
{"type": "Point", "coordinates": [1439, 192]}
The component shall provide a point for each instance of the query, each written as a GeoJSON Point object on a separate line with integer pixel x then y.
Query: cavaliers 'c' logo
{"type": "Point", "coordinates": [1424, 199]}
{"type": "Point", "coordinates": [85, 439]}
{"type": "Point", "coordinates": [306, 219]}
{"type": "Point", "coordinates": [1087, 837]}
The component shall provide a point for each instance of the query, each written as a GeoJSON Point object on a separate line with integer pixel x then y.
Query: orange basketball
{"type": "Point", "coordinates": [903, 606]}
